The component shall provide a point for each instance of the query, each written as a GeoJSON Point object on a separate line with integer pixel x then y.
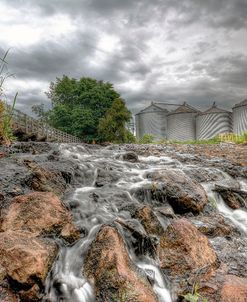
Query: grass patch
{"type": "Point", "coordinates": [6, 112]}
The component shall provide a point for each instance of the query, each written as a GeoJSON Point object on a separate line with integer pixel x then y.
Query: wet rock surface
{"type": "Point", "coordinates": [233, 197]}
{"type": "Point", "coordinates": [149, 221]}
{"type": "Point", "coordinates": [7, 295]}
{"type": "Point", "coordinates": [41, 214]}
{"type": "Point", "coordinates": [234, 289]}
{"type": "Point", "coordinates": [133, 223]}
{"type": "Point", "coordinates": [115, 276]}
{"type": "Point", "coordinates": [216, 226]}
{"type": "Point", "coordinates": [180, 191]}
{"type": "Point", "coordinates": [26, 259]}
{"type": "Point", "coordinates": [183, 252]}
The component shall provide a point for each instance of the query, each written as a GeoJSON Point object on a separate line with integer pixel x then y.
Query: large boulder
{"type": "Point", "coordinates": [214, 225]}
{"type": "Point", "coordinates": [114, 275]}
{"type": "Point", "coordinates": [180, 191]}
{"type": "Point", "coordinates": [13, 179]}
{"type": "Point", "coordinates": [40, 213]}
{"type": "Point", "coordinates": [149, 221]}
{"type": "Point", "coordinates": [45, 180]}
{"type": "Point", "coordinates": [234, 289]}
{"type": "Point", "coordinates": [233, 197]}
{"type": "Point", "coordinates": [232, 250]}
{"type": "Point", "coordinates": [183, 249]}
{"type": "Point", "coordinates": [25, 258]}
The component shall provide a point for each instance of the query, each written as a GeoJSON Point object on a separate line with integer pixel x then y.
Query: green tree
{"type": "Point", "coordinates": [112, 127]}
{"type": "Point", "coordinates": [78, 105]}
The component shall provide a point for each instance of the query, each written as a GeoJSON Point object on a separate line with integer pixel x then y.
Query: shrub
{"type": "Point", "coordinates": [146, 139]}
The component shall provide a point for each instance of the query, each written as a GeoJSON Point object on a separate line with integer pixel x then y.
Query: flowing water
{"type": "Point", "coordinates": [101, 198]}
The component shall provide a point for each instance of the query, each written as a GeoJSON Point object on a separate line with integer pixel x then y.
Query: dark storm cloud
{"type": "Point", "coordinates": [168, 50]}
{"type": "Point", "coordinates": [51, 59]}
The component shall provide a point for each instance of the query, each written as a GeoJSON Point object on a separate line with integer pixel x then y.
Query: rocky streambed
{"type": "Point", "coordinates": [123, 223]}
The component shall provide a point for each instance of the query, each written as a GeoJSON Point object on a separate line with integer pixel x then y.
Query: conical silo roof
{"type": "Point", "coordinates": [150, 108]}
{"type": "Point", "coordinates": [185, 108]}
{"type": "Point", "coordinates": [243, 103]}
{"type": "Point", "coordinates": [214, 109]}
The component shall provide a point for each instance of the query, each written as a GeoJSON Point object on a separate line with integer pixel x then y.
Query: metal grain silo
{"type": "Point", "coordinates": [181, 123]}
{"type": "Point", "coordinates": [213, 122]}
{"type": "Point", "coordinates": [152, 120]}
{"type": "Point", "coordinates": [240, 117]}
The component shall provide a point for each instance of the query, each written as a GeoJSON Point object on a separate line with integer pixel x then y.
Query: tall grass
{"type": "Point", "coordinates": [6, 112]}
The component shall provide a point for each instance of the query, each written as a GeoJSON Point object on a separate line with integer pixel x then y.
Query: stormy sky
{"type": "Point", "coordinates": [161, 50]}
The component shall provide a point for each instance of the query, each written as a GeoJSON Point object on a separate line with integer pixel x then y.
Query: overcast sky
{"type": "Point", "coordinates": [161, 50]}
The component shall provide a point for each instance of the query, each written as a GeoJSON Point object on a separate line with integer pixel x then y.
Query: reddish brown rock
{"type": "Point", "coordinates": [25, 258]}
{"type": "Point", "coordinates": [184, 249]}
{"type": "Point", "coordinates": [45, 180]}
{"type": "Point", "coordinates": [2, 154]}
{"type": "Point", "coordinates": [32, 294]}
{"type": "Point", "coordinates": [109, 267]}
{"type": "Point", "coordinates": [234, 289]}
{"type": "Point", "coordinates": [39, 213]}
{"type": "Point", "coordinates": [233, 197]}
{"type": "Point", "coordinates": [2, 273]}
{"type": "Point", "coordinates": [149, 221]}
{"type": "Point", "coordinates": [213, 226]}
{"type": "Point", "coordinates": [7, 296]}
{"type": "Point", "coordinates": [182, 193]}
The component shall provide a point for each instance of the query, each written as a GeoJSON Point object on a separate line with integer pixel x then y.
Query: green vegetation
{"type": "Point", "coordinates": [86, 108]}
{"type": "Point", "coordinates": [194, 296]}
{"type": "Point", "coordinates": [6, 134]}
{"type": "Point", "coordinates": [238, 139]}
{"type": "Point", "coordinates": [147, 139]}
{"type": "Point", "coordinates": [112, 126]}
{"type": "Point", "coordinates": [211, 141]}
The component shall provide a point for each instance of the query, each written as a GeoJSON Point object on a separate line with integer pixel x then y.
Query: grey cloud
{"type": "Point", "coordinates": [220, 76]}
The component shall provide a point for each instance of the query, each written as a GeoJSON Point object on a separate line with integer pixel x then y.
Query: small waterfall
{"type": "Point", "coordinates": [66, 282]}
{"type": "Point", "coordinates": [238, 216]}
{"type": "Point", "coordinates": [159, 283]}
{"type": "Point", "coordinates": [94, 205]}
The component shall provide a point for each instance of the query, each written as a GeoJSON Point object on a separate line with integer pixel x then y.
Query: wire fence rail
{"type": "Point", "coordinates": [41, 130]}
{"type": "Point", "coordinates": [228, 137]}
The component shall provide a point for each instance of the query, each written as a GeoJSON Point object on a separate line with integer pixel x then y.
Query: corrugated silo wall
{"type": "Point", "coordinates": [154, 123]}
{"type": "Point", "coordinates": [212, 124]}
{"type": "Point", "coordinates": [181, 126]}
{"type": "Point", "coordinates": [240, 119]}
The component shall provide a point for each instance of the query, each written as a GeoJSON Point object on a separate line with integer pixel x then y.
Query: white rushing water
{"type": "Point", "coordinates": [66, 281]}
{"type": "Point", "coordinates": [238, 216]}
{"type": "Point", "coordinates": [159, 286]}
{"type": "Point", "coordinates": [93, 205]}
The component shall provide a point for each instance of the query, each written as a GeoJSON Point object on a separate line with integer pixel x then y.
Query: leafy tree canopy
{"type": "Point", "coordinates": [78, 105]}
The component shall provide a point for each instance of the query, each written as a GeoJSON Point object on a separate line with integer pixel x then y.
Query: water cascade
{"type": "Point", "coordinates": [107, 183]}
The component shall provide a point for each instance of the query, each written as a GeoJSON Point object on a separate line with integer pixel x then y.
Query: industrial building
{"type": "Point", "coordinates": [183, 122]}
{"type": "Point", "coordinates": [153, 120]}
{"type": "Point", "coordinates": [213, 122]}
{"type": "Point", "coordinates": [240, 117]}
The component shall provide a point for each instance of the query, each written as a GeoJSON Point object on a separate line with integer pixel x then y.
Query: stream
{"type": "Point", "coordinates": [108, 186]}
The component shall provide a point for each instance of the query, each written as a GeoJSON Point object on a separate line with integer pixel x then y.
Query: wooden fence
{"type": "Point", "coordinates": [40, 129]}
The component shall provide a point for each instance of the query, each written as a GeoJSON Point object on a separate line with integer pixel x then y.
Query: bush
{"type": "Point", "coordinates": [147, 139]}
